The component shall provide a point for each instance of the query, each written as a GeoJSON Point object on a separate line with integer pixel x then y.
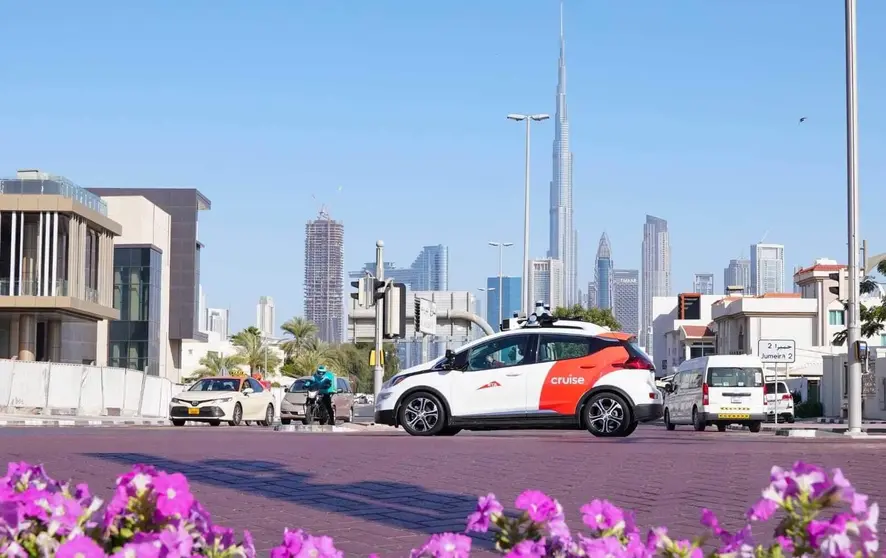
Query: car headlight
{"type": "Point", "coordinates": [176, 400]}
{"type": "Point", "coordinates": [226, 400]}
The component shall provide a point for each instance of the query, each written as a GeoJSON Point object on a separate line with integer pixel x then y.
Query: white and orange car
{"type": "Point", "coordinates": [537, 373]}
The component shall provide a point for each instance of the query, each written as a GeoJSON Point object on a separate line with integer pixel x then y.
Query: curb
{"type": "Point", "coordinates": [83, 422]}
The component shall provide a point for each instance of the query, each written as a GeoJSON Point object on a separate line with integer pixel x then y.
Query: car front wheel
{"type": "Point", "coordinates": [667, 420]}
{"type": "Point", "coordinates": [607, 415]}
{"type": "Point", "coordinates": [422, 414]}
{"type": "Point", "coordinates": [237, 418]}
{"type": "Point", "coordinates": [178, 423]}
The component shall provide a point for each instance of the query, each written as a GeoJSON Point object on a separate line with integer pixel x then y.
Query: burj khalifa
{"type": "Point", "coordinates": [563, 243]}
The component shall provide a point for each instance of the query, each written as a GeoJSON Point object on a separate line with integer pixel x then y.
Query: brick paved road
{"type": "Point", "coordinates": [383, 492]}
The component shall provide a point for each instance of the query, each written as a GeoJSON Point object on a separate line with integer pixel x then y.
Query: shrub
{"type": "Point", "coordinates": [154, 515]}
{"type": "Point", "coordinates": [809, 409]}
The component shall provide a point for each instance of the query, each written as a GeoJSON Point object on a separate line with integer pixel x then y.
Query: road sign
{"type": "Point", "coordinates": [777, 351]}
{"type": "Point", "coordinates": [427, 316]}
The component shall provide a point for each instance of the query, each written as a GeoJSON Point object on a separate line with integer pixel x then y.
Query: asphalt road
{"type": "Point", "coordinates": [384, 491]}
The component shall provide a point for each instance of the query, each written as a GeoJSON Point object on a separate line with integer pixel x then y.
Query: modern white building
{"type": "Point", "coordinates": [678, 335]}
{"type": "Point", "coordinates": [140, 338]}
{"type": "Point", "coordinates": [767, 269]}
{"type": "Point", "coordinates": [655, 271]}
{"type": "Point", "coordinates": [546, 282]}
{"type": "Point", "coordinates": [703, 283]}
{"type": "Point", "coordinates": [218, 320]}
{"type": "Point", "coordinates": [265, 316]}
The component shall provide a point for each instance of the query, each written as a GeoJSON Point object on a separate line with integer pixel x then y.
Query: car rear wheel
{"type": "Point", "coordinates": [215, 423]}
{"type": "Point", "coordinates": [450, 431]}
{"type": "Point", "coordinates": [606, 415]}
{"type": "Point", "coordinates": [755, 426]}
{"type": "Point", "coordinates": [422, 414]}
{"type": "Point", "coordinates": [269, 416]}
{"type": "Point", "coordinates": [721, 427]}
{"type": "Point", "coordinates": [238, 416]}
{"type": "Point", "coordinates": [696, 421]}
{"type": "Point", "coordinates": [630, 430]}
{"type": "Point", "coordinates": [667, 419]}
{"type": "Point", "coordinates": [178, 423]}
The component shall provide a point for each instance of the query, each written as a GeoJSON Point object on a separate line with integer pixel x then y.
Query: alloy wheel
{"type": "Point", "coordinates": [421, 414]}
{"type": "Point", "coordinates": [606, 415]}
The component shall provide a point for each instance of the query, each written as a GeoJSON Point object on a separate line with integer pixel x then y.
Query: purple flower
{"type": "Point", "coordinates": [176, 542]}
{"type": "Point", "coordinates": [786, 544]}
{"type": "Point", "coordinates": [487, 507]}
{"type": "Point", "coordinates": [806, 479]}
{"type": "Point", "coordinates": [709, 520]}
{"type": "Point", "coordinates": [248, 545]}
{"type": "Point", "coordinates": [80, 547]}
{"type": "Point", "coordinates": [528, 549]}
{"type": "Point", "coordinates": [320, 547]}
{"type": "Point", "coordinates": [537, 505]}
{"type": "Point", "coordinates": [139, 550]}
{"type": "Point", "coordinates": [602, 515]}
{"type": "Point", "coordinates": [444, 545]}
{"type": "Point", "coordinates": [603, 547]}
{"type": "Point", "coordinates": [174, 498]}
{"type": "Point", "coordinates": [831, 537]}
{"type": "Point", "coordinates": [763, 510]}
{"type": "Point", "coordinates": [292, 544]}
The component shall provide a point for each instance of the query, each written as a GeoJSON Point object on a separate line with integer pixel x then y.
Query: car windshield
{"type": "Point", "coordinates": [299, 385]}
{"type": "Point", "coordinates": [782, 388]}
{"type": "Point", "coordinates": [735, 377]}
{"type": "Point", "coordinates": [216, 384]}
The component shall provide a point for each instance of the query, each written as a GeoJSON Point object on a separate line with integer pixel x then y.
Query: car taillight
{"type": "Point", "coordinates": [634, 363]}
{"type": "Point", "coordinates": [765, 402]}
{"type": "Point", "coordinates": [705, 399]}
{"type": "Point", "coordinates": [786, 397]}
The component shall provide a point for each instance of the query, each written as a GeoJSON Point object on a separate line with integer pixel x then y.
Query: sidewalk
{"type": "Point", "coordinates": [57, 420]}
{"type": "Point", "coordinates": [819, 427]}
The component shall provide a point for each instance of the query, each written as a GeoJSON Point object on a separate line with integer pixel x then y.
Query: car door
{"type": "Point", "coordinates": [566, 368]}
{"type": "Point", "coordinates": [491, 379]}
{"type": "Point", "coordinates": [253, 403]}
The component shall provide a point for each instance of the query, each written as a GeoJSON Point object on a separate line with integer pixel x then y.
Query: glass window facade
{"type": "Point", "coordinates": [134, 339]}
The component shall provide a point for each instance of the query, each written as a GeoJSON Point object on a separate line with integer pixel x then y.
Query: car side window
{"type": "Point", "coordinates": [553, 347]}
{"type": "Point", "coordinates": [699, 377]}
{"type": "Point", "coordinates": [502, 352]}
{"type": "Point", "coordinates": [256, 387]}
{"type": "Point", "coordinates": [342, 384]}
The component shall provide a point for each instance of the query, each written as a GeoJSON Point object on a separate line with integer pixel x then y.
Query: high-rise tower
{"type": "Point", "coordinates": [324, 276]}
{"type": "Point", "coordinates": [562, 236]}
{"type": "Point", "coordinates": [603, 273]}
{"type": "Point", "coordinates": [656, 271]}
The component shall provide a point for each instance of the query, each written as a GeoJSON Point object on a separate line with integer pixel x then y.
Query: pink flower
{"type": "Point", "coordinates": [80, 547]}
{"type": "Point", "coordinates": [444, 545]}
{"type": "Point", "coordinates": [174, 498]}
{"type": "Point", "coordinates": [537, 505]}
{"type": "Point", "coordinates": [602, 515]}
{"type": "Point", "coordinates": [487, 506]}
{"type": "Point", "coordinates": [528, 549]}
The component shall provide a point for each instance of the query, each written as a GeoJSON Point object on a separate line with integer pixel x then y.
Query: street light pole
{"type": "Point", "coordinates": [853, 330]}
{"type": "Point", "coordinates": [487, 291]}
{"type": "Point", "coordinates": [529, 118]}
{"type": "Point", "coordinates": [501, 249]}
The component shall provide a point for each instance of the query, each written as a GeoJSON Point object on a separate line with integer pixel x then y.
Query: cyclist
{"type": "Point", "coordinates": [324, 381]}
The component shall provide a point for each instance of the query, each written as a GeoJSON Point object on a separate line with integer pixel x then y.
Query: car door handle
{"type": "Point", "coordinates": [588, 366]}
{"type": "Point", "coordinates": [512, 374]}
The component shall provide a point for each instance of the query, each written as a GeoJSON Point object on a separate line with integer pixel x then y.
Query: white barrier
{"type": "Point", "coordinates": [74, 389]}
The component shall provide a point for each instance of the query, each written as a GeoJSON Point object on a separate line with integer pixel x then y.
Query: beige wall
{"type": "Point", "coordinates": [145, 223]}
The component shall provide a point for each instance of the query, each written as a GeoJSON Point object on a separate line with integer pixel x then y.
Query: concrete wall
{"type": "Point", "coordinates": [70, 389]}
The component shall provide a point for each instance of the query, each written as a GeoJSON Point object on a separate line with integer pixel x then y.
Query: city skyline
{"type": "Point", "coordinates": [324, 276]}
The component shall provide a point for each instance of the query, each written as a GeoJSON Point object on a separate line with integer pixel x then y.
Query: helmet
{"type": "Point", "coordinates": [321, 370]}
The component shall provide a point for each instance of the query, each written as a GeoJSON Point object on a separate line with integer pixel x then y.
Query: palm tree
{"type": "Point", "coordinates": [253, 350]}
{"type": "Point", "coordinates": [216, 364]}
{"type": "Point", "coordinates": [300, 331]}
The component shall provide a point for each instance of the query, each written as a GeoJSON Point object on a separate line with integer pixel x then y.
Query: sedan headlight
{"type": "Point", "coordinates": [225, 400]}
{"type": "Point", "coordinates": [176, 400]}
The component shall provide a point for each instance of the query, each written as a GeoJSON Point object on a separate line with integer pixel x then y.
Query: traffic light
{"type": "Point", "coordinates": [360, 295]}
{"type": "Point", "coordinates": [840, 289]}
{"type": "Point", "coordinates": [395, 312]}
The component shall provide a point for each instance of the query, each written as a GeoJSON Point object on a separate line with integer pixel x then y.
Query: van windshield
{"type": "Point", "coordinates": [735, 377]}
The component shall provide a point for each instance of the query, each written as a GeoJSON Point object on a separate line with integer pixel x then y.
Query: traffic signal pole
{"type": "Point", "coordinates": [378, 373]}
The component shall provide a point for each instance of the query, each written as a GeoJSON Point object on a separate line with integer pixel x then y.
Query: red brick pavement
{"type": "Point", "coordinates": [385, 492]}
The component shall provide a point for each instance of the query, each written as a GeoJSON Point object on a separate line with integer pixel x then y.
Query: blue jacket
{"type": "Point", "coordinates": [324, 381]}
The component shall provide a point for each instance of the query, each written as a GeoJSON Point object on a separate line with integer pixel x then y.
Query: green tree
{"type": "Point", "coordinates": [599, 316]}
{"type": "Point", "coordinates": [299, 331]}
{"type": "Point", "coordinates": [873, 319]}
{"type": "Point", "coordinates": [310, 357]}
{"type": "Point", "coordinates": [215, 364]}
{"type": "Point", "coordinates": [254, 351]}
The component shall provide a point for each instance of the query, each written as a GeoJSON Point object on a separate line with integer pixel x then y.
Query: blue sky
{"type": "Point", "coordinates": [685, 109]}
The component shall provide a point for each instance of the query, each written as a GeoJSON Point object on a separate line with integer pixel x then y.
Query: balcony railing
{"type": "Point", "coordinates": [56, 185]}
{"type": "Point", "coordinates": [29, 288]}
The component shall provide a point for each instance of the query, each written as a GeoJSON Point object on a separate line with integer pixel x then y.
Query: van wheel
{"type": "Point", "coordinates": [422, 414]}
{"type": "Point", "coordinates": [755, 426]}
{"type": "Point", "coordinates": [606, 415]}
{"type": "Point", "coordinates": [668, 424]}
{"type": "Point", "coordinates": [721, 427]}
{"type": "Point", "coordinates": [696, 421]}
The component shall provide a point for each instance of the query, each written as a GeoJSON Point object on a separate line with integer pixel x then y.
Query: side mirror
{"type": "Point", "coordinates": [449, 359]}
{"type": "Point", "coordinates": [247, 391]}
{"type": "Point", "coordinates": [340, 391]}
{"type": "Point", "coordinates": [670, 388]}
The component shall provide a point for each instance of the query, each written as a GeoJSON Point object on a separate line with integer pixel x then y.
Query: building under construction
{"type": "Point", "coordinates": [324, 276]}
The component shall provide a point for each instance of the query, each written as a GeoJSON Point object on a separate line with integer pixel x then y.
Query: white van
{"type": "Point", "coordinates": [717, 389]}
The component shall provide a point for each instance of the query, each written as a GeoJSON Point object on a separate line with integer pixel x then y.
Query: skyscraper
{"type": "Point", "coordinates": [429, 271]}
{"type": "Point", "coordinates": [562, 239]}
{"type": "Point", "coordinates": [217, 320]}
{"type": "Point", "coordinates": [626, 299]}
{"type": "Point", "coordinates": [656, 270]}
{"type": "Point", "coordinates": [767, 268]}
{"type": "Point", "coordinates": [511, 288]}
{"type": "Point", "coordinates": [265, 316]}
{"type": "Point", "coordinates": [737, 274]}
{"type": "Point", "coordinates": [546, 282]}
{"type": "Point", "coordinates": [703, 283]}
{"type": "Point", "coordinates": [324, 276]}
{"type": "Point", "coordinates": [592, 295]}
{"type": "Point", "coordinates": [603, 273]}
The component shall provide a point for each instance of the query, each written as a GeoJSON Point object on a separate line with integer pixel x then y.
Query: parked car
{"type": "Point", "coordinates": [293, 405]}
{"type": "Point", "coordinates": [223, 398]}
{"type": "Point", "coordinates": [782, 399]}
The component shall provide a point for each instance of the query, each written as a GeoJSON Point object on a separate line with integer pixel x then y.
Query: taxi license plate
{"type": "Point", "coordinates": [193, 411]}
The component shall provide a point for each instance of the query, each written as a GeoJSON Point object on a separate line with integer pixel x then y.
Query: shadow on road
{"type": "Point", "coordinates": [399, 505]}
